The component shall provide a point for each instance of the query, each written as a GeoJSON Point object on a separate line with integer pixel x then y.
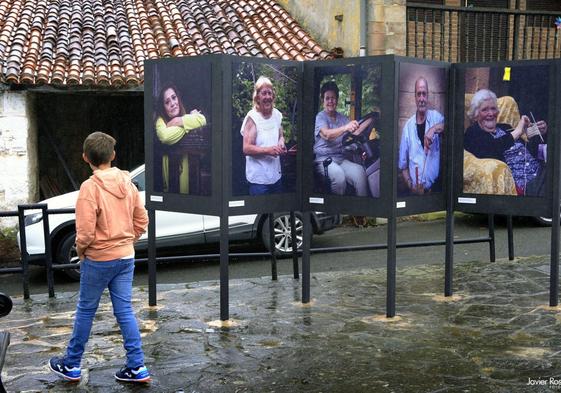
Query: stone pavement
{"type": "Point", "coordinates": [496, 334]}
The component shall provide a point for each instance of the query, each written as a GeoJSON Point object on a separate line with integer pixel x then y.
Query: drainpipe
{"type": "Point", "coordinates": [363, 27]}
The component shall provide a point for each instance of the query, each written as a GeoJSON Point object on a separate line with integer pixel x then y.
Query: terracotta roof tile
{"type": "Point", "coordinates": [105, 42]}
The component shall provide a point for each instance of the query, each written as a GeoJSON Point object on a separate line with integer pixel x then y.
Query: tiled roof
{"type": "Point", "coordinates": [104, 42]}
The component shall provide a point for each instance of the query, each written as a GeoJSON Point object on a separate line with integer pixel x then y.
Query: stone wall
{"type": "Point", "coordinates": [18, 152]}
{"type": "Point", "coordinates": [41, 133]}
{"type": "Point", "coordinates": [318, 18]}
{"type": "Point", "coordinates": [386, 27]}
{"type": "Point", "coordinates": [385, 24]}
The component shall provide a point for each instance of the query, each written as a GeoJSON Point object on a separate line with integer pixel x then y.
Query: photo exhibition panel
{"type": "Point", "coordinates": [505, 136]}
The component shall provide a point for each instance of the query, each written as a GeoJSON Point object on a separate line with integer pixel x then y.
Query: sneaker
{"type": "Point", "coordinates": [127, 374]}
{"type": "Point", "coordinates": [59, 368]}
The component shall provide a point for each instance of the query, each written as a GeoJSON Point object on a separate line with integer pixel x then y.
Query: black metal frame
{"type": "Point", "coordinates": [377, 207]}
{"type": "Point", "coordinates": [550, 204]}
{"type": "Point", "coordinates": [388, 199]}
{"type": "Point", "coordinates": [222, 199]}
{"type": "Point", "coordinates": [500, 204]}
{"type": "Point", "coordinates": [48, 254]}
{"type": "Point", "coordinates": [187, 203]}
{"type": "Point", "coordinates": [429, 202]}
{"type": "Point", "coordinates": [222, 202]}
{"type": "Point", "coordinates": [556, 195]}
{"type": "Point", "coordinates": [246, 204]}
{"type": "Point", "coordinates": [387, 204]}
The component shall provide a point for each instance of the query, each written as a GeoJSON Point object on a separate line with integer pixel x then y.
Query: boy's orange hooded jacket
{"type": "Point", "coordinates": [110, 216]}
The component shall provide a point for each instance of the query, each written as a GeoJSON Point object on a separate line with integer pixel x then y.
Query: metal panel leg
{"type": "Point", "coordinates": [224, 272]}
{"type": "Point", "coordinates": [491, 219]}
{"type": "Point", "coordinates": [152, 257]}
{"type": "Point", "coordinates": [294, 237]}
{"type": "Point", "coordinates": [307, 240]}
{"type": "Point", "coordinates": [449, 254]}
{"type": "Point", "coordinates": [24, 254]}
{"type": "Point", "coordinates": [274, 273]}
{"type": "Point", "coordinates": [391, 268]}
{"type": "Point", "coordinates": [510, 235]}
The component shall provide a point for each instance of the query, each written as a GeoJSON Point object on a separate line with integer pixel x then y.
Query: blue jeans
{"type": "Point", "coordinates": [262, 189]}
{"type": "Point", "coordinates": [94, 278]}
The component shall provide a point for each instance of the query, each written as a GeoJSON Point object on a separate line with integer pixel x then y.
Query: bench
{"type": "Point", "coordinates": [5, 308]}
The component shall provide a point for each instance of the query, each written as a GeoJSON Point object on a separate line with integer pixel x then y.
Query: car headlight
{"type": "Point", "coordinates": [32, 219]}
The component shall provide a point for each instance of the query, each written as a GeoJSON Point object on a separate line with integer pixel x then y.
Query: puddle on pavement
{"type": "Point", "coordinates": [311, 303]}
{"type": "Point", "coordinates": [529, 353]}
{"type": "Point", "coordinates": [397, 321]}
{"type": "Point", "coordinates": [230, 323]}
{"type": "Point", "coordinates": [443, 299]}
{"type": "Point", "coordinates": [272, 343]}
{"type": "Point", "coordinates": [485, 338]}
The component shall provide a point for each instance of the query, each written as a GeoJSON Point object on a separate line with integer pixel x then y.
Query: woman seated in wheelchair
{"type": "Point", "coordinates": [330, 130]}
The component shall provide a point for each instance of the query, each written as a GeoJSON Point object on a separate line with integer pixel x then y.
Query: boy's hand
{"type": "Point", "coordinates": [80, 252]}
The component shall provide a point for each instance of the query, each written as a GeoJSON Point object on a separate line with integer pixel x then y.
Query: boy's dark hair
{"type": "Point", "coordinates": [99, 147]}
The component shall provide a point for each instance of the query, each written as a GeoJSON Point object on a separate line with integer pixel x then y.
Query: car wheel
{"type": "Point", "coordinates": [544, 221]}
{"type": "Point", "coordinates": [283, 235]}
{"type": "Point", "coordinates": [66, 253]}
{"type": "Point", "coordinates": [5, 305]}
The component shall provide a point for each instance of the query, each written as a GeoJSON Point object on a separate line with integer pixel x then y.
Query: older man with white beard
{"type": "Point", "coordinates": [419, 150]}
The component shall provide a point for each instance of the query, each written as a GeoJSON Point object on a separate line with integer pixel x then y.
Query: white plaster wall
{"type": "Point", "coordinates": [317, 17]}
{"type": "Point", "coordinates": [16, 179]}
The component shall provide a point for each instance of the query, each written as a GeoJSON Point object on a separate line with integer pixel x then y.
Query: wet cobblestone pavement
{"type": "Point", "coordinates": [496, 334]}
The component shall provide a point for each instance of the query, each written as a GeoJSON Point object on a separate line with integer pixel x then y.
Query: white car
{"type": "Point", "coordinates": [172, 229]}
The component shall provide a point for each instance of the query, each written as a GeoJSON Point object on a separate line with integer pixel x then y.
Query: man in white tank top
{"type": "Point", "coordinates": [263, 141]}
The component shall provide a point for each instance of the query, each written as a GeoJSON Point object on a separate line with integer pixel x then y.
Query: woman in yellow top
{"type": "Point", "coordinates": [172, 124]}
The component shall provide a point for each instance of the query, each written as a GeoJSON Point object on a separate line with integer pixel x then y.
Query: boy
{"type": "Point", "coordinates": [110, 217]}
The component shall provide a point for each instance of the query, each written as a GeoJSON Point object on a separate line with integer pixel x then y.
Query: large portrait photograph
{"type": "Point", "coordinates": [421, 129]}
{"type": "Point", "coordinates": [346, 148]}
{"type": "Point", "coordinates": [181, 113]}
{"type": "Point", "coordinates": [506, 130]}
{"type": "Point", "coordinates": [265, 113]}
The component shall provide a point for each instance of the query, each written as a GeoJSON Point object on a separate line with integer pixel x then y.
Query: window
{"type": "Point", "coordinates": [544, 5]}
{"type": "Point", "coordinates": [423, 15]}
{"type": "Point", "coordinates": [487, 3]}
{"type": "Point", "coordinates": [484, 36]}
{"type": "Point", "coordinates": [435, 2]}
{"type": "Point", "coordinates": [542, 21]}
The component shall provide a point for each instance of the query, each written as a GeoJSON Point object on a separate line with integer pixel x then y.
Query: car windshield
{"type": "Point", "coordinates": [139, 181]}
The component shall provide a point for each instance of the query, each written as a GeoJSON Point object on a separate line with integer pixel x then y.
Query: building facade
{"type": "Point", "coordinates": [71, 68]}
{"type": "Point", "coordinates": [448, 30]}
{"type": "Point", "coordinates": [68, 71]}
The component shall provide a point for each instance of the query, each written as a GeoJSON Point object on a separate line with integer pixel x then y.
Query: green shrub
{"type": "Point", "coordinates": [8, 244]}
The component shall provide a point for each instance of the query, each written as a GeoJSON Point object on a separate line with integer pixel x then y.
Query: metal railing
{"type": "Point", "coordinates": [51, 265]}
{"type": "Point", "coordinates": [48, 255]}
{"type": "Point", "coordinates": [465, 34]}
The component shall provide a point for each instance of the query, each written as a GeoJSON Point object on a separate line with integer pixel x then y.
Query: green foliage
{"type": "Point", "coordinates": [8, 244]}
{"type": "Point", "coordinates": [9, 233]}
{"type": "Point", "coordinates": [369, 77]}
{"type": "Point", "coordinates": [371, 87]}
{"type": "Point", "coordinates": [284, 82]}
